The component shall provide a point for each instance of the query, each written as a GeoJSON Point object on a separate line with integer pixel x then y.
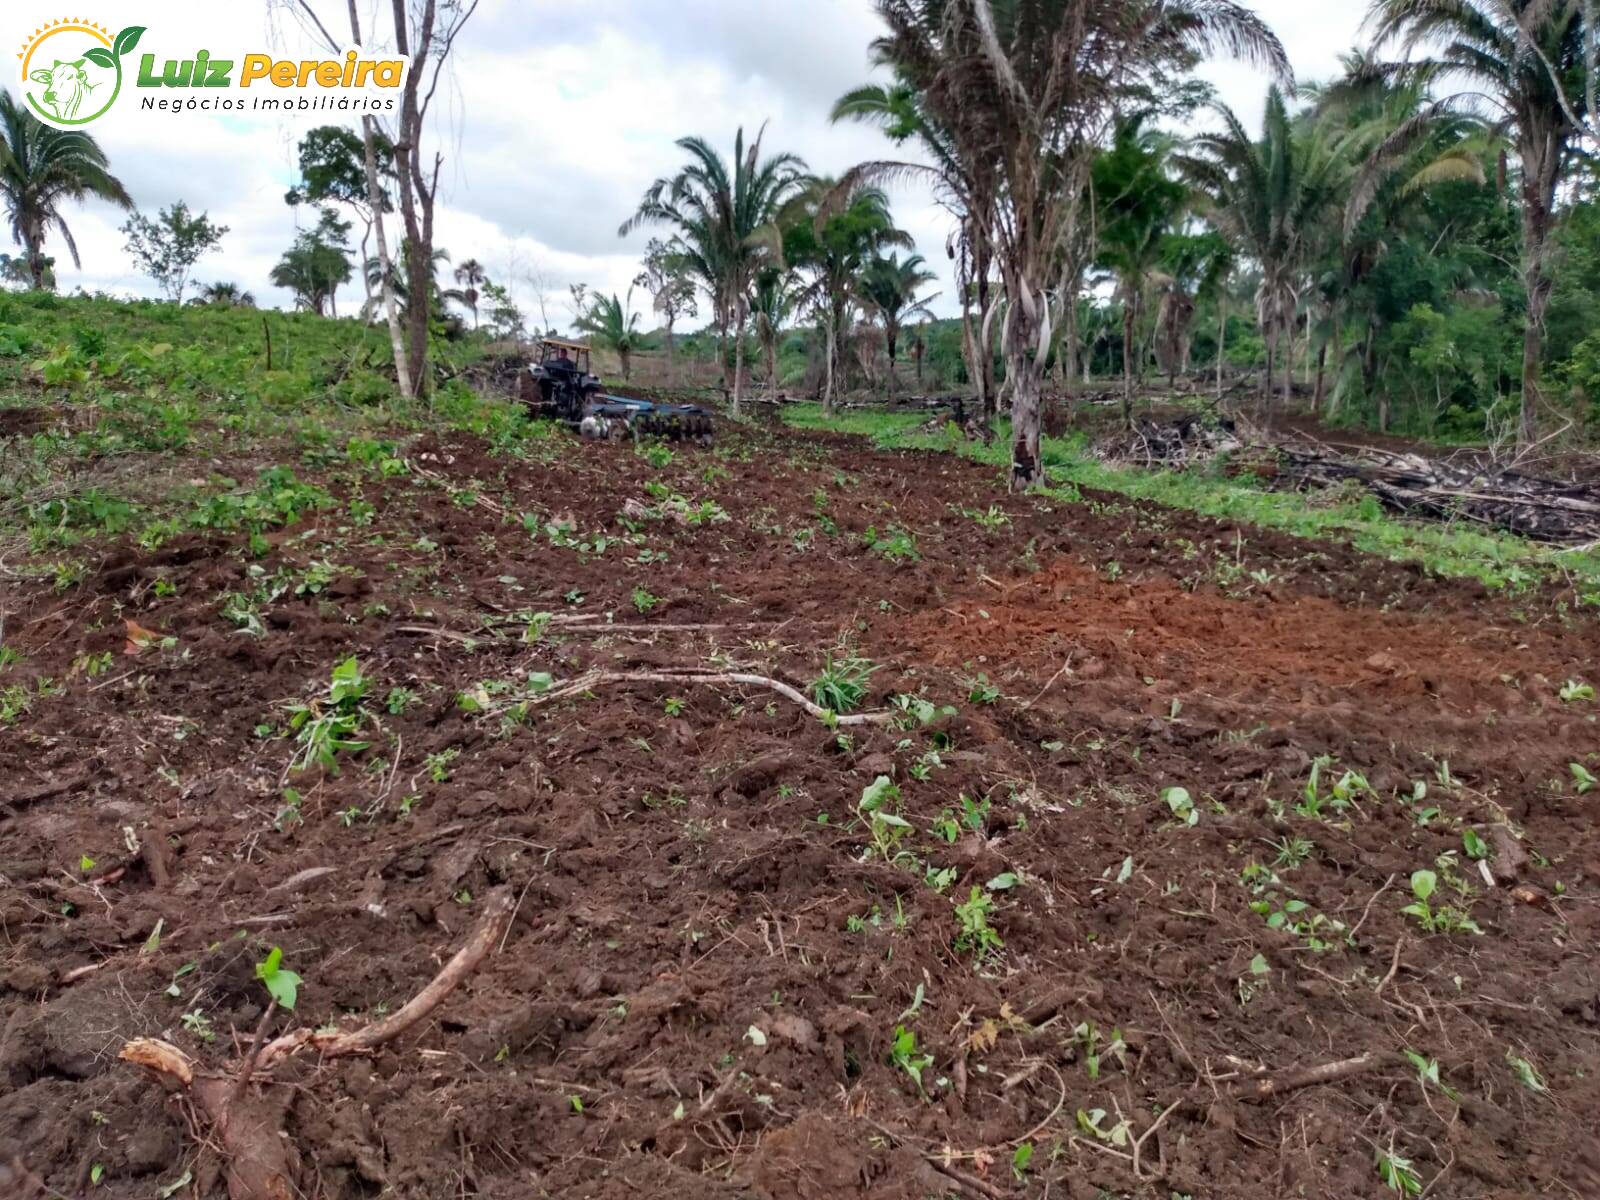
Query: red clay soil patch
{"type": "Point", "coordinates": [1284, 647]}
{"type": "Point", "coordinates": [712, 985]}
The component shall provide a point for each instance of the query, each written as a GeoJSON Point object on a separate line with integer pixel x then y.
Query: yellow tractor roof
{"type": "Point", "coordinates": [559, 342]}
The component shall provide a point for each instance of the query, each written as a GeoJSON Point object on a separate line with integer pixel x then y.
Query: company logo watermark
{"type": "Point", "coordinates": [73, 71]}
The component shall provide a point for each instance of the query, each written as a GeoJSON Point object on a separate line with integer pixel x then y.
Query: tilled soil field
{"type": "Point", "coordinates": [1026, 965]}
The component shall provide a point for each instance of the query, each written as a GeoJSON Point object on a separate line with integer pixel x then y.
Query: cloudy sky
{"type": "Point", "coordinates": [560, 113]}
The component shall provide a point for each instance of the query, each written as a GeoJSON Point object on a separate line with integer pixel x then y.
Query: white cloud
{"type": "Point", "coordinates": [556, 117]}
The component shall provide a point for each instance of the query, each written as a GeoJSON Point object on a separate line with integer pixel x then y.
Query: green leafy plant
{"type": "Point", "coordinates": [1573, 691]}
{"type": "Point", "coordinates": [1428, 1073]}
{"type": "Point", "coordinates": [643, 600]}
{"type": "Point", "coordinates": [1182, 805]}
{"type": "Point", "coordinates": [282, 984]}
{"type": "Point", "coordinates": [903, 1053]}
{"type": "Point", "coordinates": [1582, 780]}
{"type": "Point", "coordinates": [329, 724]}
{"type": "Point", "coordinates": [977, 937]}
{"type": "Point", "coordinates": [879, 801]}
{"type": "Point", "coordinates": [1398, 1174]}
{"type": "Point", "coordinates": [842, 685]}
{"type": "Point", "coordinates": [894, 544]}
{"type": "Point", "coordinates": [1525, 1072]}
{"type": "Point", "coordinates": [1444, 919]}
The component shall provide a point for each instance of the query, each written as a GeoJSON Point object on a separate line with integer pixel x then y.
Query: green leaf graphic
{"type": "Point", "coordinates": [100, 57]}
{"type": "Point", "coordinates": [128, 39]}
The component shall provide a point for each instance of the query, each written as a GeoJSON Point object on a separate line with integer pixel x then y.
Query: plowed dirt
{"type": "Point", "coordinates": [701, 991]}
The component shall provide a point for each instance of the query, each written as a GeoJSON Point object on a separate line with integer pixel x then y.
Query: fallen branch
{"type": "Point", "coordinates": [593, 679]}
{"type": "Point", "coordinates": [261, 1162]}
{"type": "Point", "coordinates": [1267, 1086]}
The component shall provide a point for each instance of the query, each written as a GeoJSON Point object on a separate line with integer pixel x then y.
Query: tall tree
{"type": "Point", "coordinates": [1026, 89]}
{"type": "Point", "coordinates": [333, 171]}
{"type": "Point", "coordinates": [835, 231]}
{"type": "Point", "coordinates": [771, 302]}
{"type": "Point", "coordinates": [614, 325]}
{"type": "Point", "coordinates": [426, 34]}
{"type": "Point", "coordinates": [889, 287]}
{"type": "Point", "coordinates": [1136, 205]}
{"type": "Point", "coordinates": [1526, 57]}
{"type": "Point", "coordinates": [726, 221]}
{"type": "Point", "coordinates": [471, 276]}
{"type": "Point", "coordinates": [168, 247]}
{"type": "Point", "coordinates": [42, 169]}
{"type": "Point", "coordinates": [965, 184]}
{"type": "Point", "coordinates": [1270, 198]}
{"type": "Point", "coordinates": [317, 263]}
{"type": "Point", "coordinates": [666, 275]}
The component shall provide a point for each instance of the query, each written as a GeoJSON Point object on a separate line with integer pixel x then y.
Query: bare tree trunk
{"type": "Point", "coordinates": [891, 338]}
{"type": "Point", "coordinates": [1537, 282]}
{"type": "Point", "coordinates": [771, 348]}
{"type": "Point", "coordinates": [1222, 335]}
{"type": "Point", "coordinates": [738, 361]}
{"type": "Point", "coordinates": [829, 352]}
{"type": "Point", "coordinates": [1025, 378]}
{"type": "Point", "coordinates": [672, 374]}
{"type": "Point", "coordinates": [1129, 317]}
{"type": "Point", "coordinates": [402, 373]}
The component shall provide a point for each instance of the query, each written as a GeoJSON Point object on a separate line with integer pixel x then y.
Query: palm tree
{"type": "Point", "coordinates": [1136, 206]}
{"type": "Point", "coordinates": [835, 231]}
{"type": "Point", "coordinates": [1025, 90]}
{"type": "Point", "coordinates": [41, 169]}
{"type": "Point", "coordinates": [471, 276]}
{"type": "Point", "coordinates": [399, 285]}
{"type": "Point", "coordinates": [1269, 198]}
{"type": "Point", "coordinates": [226, 295]}
{"type": "Point", "coordinates": [772, 301]}
{"type": "Point", "coordinates": [614, 325]}
{"type": "Point", "coordinates": [1405, 144]}
{"type": "Point", "coordinates": [1525, 57]}
{"type": "Point", "coordinates": [889, 287]}
{"type": "Point", "coordinates": [726, 222]}
{"type": "Point", "coordinates": [964, 184]}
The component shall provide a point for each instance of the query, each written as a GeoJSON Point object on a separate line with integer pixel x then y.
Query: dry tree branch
{"type": "Point", "coordinates": [261, 1162]}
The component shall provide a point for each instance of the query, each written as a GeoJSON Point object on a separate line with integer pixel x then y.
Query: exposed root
{"type": "Point", "coordinates": [594, 679]}
{"type": "Point", "coordinates": [1267, 1086]}
{"type": "Point", "coordinates": [261, 1162]}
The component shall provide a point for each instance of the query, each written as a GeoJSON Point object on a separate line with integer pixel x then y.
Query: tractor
{"type": "Point", "coordinates": [560, 386]}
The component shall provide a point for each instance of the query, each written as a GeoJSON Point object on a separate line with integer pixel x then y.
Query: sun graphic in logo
{"type": "Point", "coordinates": [71, 70]}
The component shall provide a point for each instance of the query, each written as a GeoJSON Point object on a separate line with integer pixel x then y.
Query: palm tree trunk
{"type": "Point", "coordinates": [1024, 378]}
{"type": "Point", "coordinates": [771, 348]}
{"type": "Point", "coordinates": [672, 374]}
{"type": "Point", "coordinates": [1128, 318]}
{"type": "Point", "coordinates": [891, 337]}
{"type": "Point", "coordinates": [828, 354]}
{"type": "Point", "coordinates": [1537, 282]}
{"type": "Point", "coordinates": [626, 356]}
{"type": "Point", "coordinates": [738, 362]}
{"type": "Point", "coordinates": [1222, 335]}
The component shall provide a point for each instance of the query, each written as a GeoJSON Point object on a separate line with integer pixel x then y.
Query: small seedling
{"type": "Point", "coordinates": [1397, 1173]}
{"type": "Point", "coordinates": [903, 1054]}
{"type": "Point", "coordinates": [1573, 691]}
{"type": "Point", "coordinates": [1582, 780]}
{"type": "Point", "coordinates": [888, 828]}
{"type": "Point", "coordinates": [842, 686]}
{"type": "Point", "coordinates": [643, 600]}
{"type": "Point", "coordinates": [981, 691]}
{"type": "Point", "coordinates": [282, 984]}
{"type": "Point", "coordinates": [1444, 919]}
{"type": "Point", "coordinates": [328, 724]}
{"type": "Point", "coordinates": [674, 706]}
{"type": "Point", "coordinates": [1428, 1072]}
{"type": "Point", "coordinates": [977, 937]}
{"type": "Point", "coordinates": [1182, 805]}
{"type": "Point", "coordinates": [1475, 847]}
{"type": "Point", "coordinates": [1020, 1158]}
{"type": "Point", "coordinates": [1526, 1074]}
